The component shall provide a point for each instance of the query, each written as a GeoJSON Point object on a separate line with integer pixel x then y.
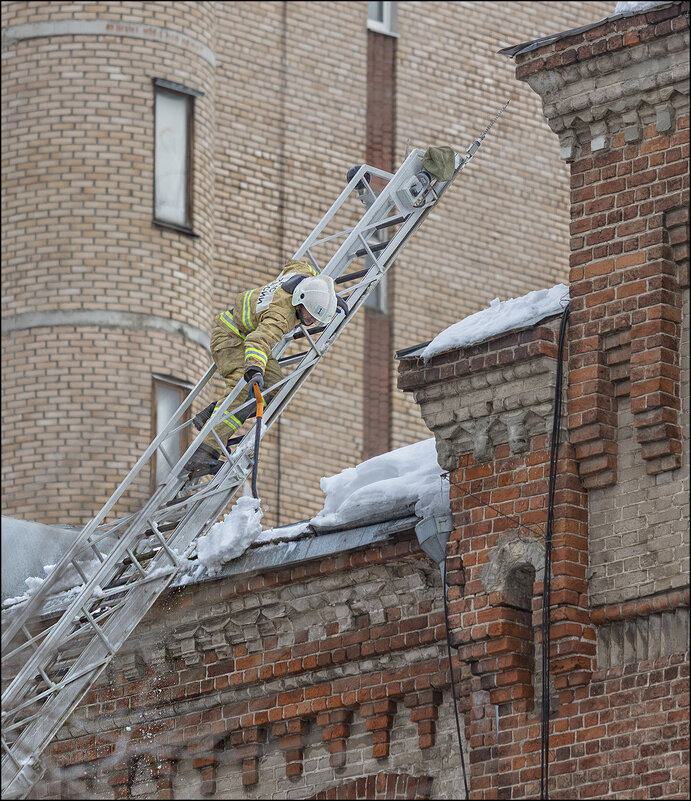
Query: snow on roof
{"type": "Point", "coordinates": [498, 318]}
{"type": "Point", "coordinates": [620, 10]}
{"type": "Point", "coordinates": [403, 483]}
{"type": "Point", "coordinates": [624, 8]}
{"type": "Point", "coordinates": [26, 548]}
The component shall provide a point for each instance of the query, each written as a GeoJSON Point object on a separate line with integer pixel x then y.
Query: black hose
{"type": "Point", "coordinates": [255, 460]}
{"type": "Point", "coordinates": [547, 578]}
{"type": "Point", "coordinates": [453, 685]}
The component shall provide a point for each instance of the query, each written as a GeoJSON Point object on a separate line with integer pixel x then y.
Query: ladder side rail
{"type": "Point", "coordinates": [374, 215]}
{"type": "Point", "coordinates": [103, 575]}
{"type": "Point", "coordinates": [95, 657]}
{"type": "Point", "coordinates": [336, 205]}
{"type": "Point", "coordinates": [289, 388]}
{"type": "Point", "coordinates": [35, 601]}
{"type": "Point", "coordinates": [163, 491]}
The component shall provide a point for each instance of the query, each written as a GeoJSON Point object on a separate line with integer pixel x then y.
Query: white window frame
{"type": "Point", "coordinates": [388, 26]}
{"type": "Point", "coordinates": [162, 88]}
{"type": "Point", "coordinates": [184, 388]}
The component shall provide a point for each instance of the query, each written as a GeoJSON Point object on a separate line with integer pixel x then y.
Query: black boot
{"type": "Point", "coordinates": [203, 462]}
{"type": "Point", "coordinates": [200, 418]}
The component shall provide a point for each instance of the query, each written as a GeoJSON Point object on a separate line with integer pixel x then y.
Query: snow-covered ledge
{"type": "Point", "coordinates": [368, 504]}
{"type": "Point", "coordinates": [489, 379]}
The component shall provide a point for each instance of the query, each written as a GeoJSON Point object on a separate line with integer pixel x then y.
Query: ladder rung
{"type": "Point", "coordinates": [393, 221]}
{"type": "Point", "coordinates": [350, 277]}
{"type": "Point", "coordinates": [374, 248]}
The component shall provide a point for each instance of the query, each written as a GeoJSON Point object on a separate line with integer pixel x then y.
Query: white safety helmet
{"type": "Point", "coordinates": [318, 295]}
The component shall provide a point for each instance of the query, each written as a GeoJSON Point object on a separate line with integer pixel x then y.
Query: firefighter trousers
{"type": "Point", "coordinates": [230, 362]}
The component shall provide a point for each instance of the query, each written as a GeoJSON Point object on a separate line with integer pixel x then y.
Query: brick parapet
{"type": "Point", "coordinates": [617, 96]}
{"type": "Point", "coordinates": [507, 385]}
{"type": "Point", "coordinates": [628, 94]}
{"type": "Point", "coordinates": [228, 674]}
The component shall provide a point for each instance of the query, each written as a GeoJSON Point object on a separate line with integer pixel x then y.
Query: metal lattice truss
{"type": "Point", "coordinates": [57, 644]}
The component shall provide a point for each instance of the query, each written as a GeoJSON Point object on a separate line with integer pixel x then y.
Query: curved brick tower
{"type": "Point", "coordinates": [97, 297]}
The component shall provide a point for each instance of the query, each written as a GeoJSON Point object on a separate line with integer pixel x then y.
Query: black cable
{"type": "Point", "coordinates": [453, 684]}
{"type": "Point", "coordinates": [547, 578]}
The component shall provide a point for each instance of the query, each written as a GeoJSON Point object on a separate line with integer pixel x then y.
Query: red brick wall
{"type": "Point", "coordinates": [629, 257]}
{"type": "Point", "coordinates": [197, 713]}
{"type": "Point", "coordinates": [379, 149]}
{"type": "Point", "coordinates": [617, 730]}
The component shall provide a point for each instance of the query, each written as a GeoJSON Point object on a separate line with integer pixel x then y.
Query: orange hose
{"type": "Point", "coordinates": [260, 401]}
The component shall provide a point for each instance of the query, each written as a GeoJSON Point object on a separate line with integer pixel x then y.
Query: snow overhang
{"type": "Point", "coordinates": [308, 546]}
{"type": "Point", "coordinates": [396, 494]}
{"type": "Point", "coordinates": [498, 319]}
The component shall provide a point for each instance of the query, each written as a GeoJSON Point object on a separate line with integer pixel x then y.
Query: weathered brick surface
{"type": "Point", "coordinates": [282, 118]}
{"type": "Point", "coordinates": [619, 604]}
{"type": "Point", "coordinates": [255, 685]}
{"type": "Point", "coordinates": [629, 330]}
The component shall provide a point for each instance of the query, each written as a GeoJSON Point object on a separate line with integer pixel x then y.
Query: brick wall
{"type": "Point", "coordinates": [283, 116]}
{"type": "Point", "coordinates": [618, 686]}
{"type": "Point", "coordinates": [619, 608]}
{"type": "Point", "coordinates": [502, 229]}
{"type": "Point", "coordinates": [78, 241]}
{"type": "Point", "coordinates": [299, 682]}
{"type": "Point", "coordinates": [628, 151]}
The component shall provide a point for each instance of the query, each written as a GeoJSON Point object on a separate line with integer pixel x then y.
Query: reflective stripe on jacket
{"type": "Point", "coordinates": [260, 317]}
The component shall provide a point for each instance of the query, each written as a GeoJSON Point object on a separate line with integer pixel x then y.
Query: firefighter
{"type": "Point", "coordinates": [243, 337]}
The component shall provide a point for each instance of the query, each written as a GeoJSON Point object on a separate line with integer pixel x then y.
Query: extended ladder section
{"type": "Point", "coordinates": [57, 643]}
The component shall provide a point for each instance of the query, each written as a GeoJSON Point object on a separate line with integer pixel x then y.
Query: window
{"type": "Point", "coordinates": [168, 394]}
{"type": "Point", "coordinates": [381, 17]}
{"type": "Point", "coordinates": [173, 135]}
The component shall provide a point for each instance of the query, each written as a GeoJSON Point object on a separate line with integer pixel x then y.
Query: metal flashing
{"type": "Point", "coordinates": [526, 47]}
{"type": "Point", "coordinates": [284, 553]}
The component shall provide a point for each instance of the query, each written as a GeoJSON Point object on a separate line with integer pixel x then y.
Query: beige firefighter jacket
{"type": "Point", "coordinates": [260, 317]}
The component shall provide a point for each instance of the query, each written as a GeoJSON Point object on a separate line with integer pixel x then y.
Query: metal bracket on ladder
{"type": "Point", "coordinates": [57, 644]}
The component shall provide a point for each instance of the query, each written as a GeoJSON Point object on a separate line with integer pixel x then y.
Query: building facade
{"type": "Point", "coordinates": [617, 96]}
{"type": "Point", "coordinates": [290, 675]}
{"type": "Point", "coordinates": [159, 157]}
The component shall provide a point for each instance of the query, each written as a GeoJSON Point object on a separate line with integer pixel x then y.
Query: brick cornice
{"type": "Point", "coordinates": [507, 389]}
{"type": "Point", "coordinates": [615, 60]}
{"type": "Point", "coordinates": [642, 607]}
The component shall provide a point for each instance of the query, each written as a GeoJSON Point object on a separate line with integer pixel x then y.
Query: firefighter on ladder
{"type": "Point", "coordinates": [243, 337]}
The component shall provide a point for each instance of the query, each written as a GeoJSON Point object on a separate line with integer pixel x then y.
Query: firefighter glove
{"type": "Point", "coordinates": [254, 377]}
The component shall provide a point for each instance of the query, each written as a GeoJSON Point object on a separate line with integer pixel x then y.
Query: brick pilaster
{"type": "Point", "coordinates": [379, 720]}
{"type": "Point", "coordinates": [291, 735]}
{"type": "Point", "coordinates": [335, 731]}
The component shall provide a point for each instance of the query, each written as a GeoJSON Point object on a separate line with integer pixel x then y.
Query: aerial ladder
{"type": "Point", "coordinates": [56, 644]}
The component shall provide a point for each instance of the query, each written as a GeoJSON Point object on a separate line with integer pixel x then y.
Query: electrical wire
{"type": "Point", "coordinates": [547, 578]}
{"type": "Point", "coordinates": [453, 684]}
{"type": "Point", "coordinates": [553, 463]}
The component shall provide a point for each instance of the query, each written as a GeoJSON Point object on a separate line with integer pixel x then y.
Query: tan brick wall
{"type": "Point", "coordinates": [291, 116]}
{"type": "Point", "coordinates": [78, 236]}
{"type": "Point", "coordinates": [639, 528]}
{"type": "Point", "coordinates": [502, 230]}
{"type": "Point", "coordinates": [282, 119]}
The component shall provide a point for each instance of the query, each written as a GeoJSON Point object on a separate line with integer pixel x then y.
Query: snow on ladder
{"type": "Point", "coordinates": [57, 643]}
